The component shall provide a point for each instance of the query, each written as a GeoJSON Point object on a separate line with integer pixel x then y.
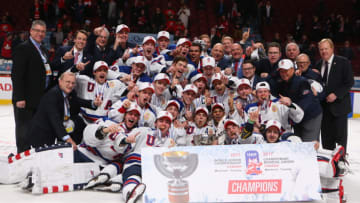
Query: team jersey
{"type": "Point", "coordinates": [110, 92]}
{"type": "Point", "coordinates": [198, 136]}
{"type": "Point", "coordinates": [147, 116]}
{"type": "Point", "coordinates": [273, 110]}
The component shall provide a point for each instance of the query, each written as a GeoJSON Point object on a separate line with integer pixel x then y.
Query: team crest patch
{"type": "Point", "coordinates": [111, 84]}
{"type": "Point", "coordinates": [147, 116]}
{"type": "Point", "coordinates": [274, 108]}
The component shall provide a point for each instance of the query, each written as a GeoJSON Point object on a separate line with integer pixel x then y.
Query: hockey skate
{"type": "Point", "coordinates": [113, 185]}
{"type": "Point", "coordinates": [102, 178]}
{"type": "Point", "coordinates": [136, 193]}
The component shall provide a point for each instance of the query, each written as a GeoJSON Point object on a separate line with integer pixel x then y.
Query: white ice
{"type": "Point", "coordinates": [13, 194]}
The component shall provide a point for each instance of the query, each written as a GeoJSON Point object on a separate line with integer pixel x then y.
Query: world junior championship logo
{"type": "Point", "coordinates": [253, 163]}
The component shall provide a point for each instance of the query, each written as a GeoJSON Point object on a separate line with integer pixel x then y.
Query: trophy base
{"type": "Point", "coordinates": [178, 191]}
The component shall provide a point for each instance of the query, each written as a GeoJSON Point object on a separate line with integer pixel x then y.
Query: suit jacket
{"type": "Point", "coordinates": [47, 123]}
{"type": "Point", "coordinates": [69, 64]}
{"type": "Point", "coordinates": [28, 75]}
{"type": "Point", "coordinates": [340, 81]}
{"type": "Point", "coordinates": [107, 54]}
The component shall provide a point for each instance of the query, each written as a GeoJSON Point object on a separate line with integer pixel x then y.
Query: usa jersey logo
{"type": "Point", "coordinates": [61, 155]}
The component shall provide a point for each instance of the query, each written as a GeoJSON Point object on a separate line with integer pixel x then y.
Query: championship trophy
{"type": "Point", "coordinates": [177, 165]}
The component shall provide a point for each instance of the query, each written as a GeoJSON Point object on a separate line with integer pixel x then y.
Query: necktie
{"type": "Point", "coordinates": [76, 57]}
{"type": "Point", "coordinates": [325, 76]}
{"type": "Point", "coordinates": [236, 67]}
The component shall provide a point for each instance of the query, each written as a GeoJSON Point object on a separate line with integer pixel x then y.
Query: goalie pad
{"type": "Point", "coordinates": [331, 162]}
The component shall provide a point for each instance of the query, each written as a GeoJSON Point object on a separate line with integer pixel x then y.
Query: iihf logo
{"type": "Point", "coordinates": [253, 163]}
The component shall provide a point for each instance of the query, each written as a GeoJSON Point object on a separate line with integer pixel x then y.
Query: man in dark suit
{"type": "Point", "coordinates": [337, 76]}
{"type": "Point", "coordinates": [98, 47]}
{"type": "Point", "coordinates": [31, 77]}
{"type": "Point", "coordinates": [74, 58]}
{"type": "Point", "coordinates": [58, 118]}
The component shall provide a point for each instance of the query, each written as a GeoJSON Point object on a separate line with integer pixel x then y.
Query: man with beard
{"type": "Point", "coordinates": [143, 97]}
{"type": "Point", "coordinates": [279, 109]}
{"type": "Point", "coordinates": [108, 91]}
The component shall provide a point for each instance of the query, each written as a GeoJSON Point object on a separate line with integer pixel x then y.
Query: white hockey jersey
{"type": "Point", "coordinates": [88, 88]}
{"type": "Point", "coordinates": [273, 110]}
{"type": "Point", "coordinates": [106, 150]}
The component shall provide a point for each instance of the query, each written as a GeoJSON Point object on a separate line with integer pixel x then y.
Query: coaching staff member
{"type": "Point", "coordinates": [58, 117]}
{"type": "Point", "coordinates": [337, 77]}
{"type": "Point", "coordinates": [31, 76]}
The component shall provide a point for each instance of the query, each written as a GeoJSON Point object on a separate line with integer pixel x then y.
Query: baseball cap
{"type": "Point", "coordinates": [162, 76]}
{"type": "Point", "coordinates": [140, 59]}
{"type": "Point", "coordinates": [243, 81]}
{"type": "Point", "coordinates": [190, 87]}
{"type": "Point", "coordinates": [217, 105]}
{"type": "Point", "coordinates": [285, 64]}
{"type": "Point", "coordinates": [122, 26]}
{"type": "Point", "coordinates": [146, 85]}
{"type": "Point", "coordinates": [203, 109]}
{"type": "Point", "coordinates": [182, 41]}
{"type": "Point", "coordinates": [163, 34]}
{"type": "Point", "coordinates": [216, 76]}
{"type": "Point", "coordinates": [164, 114]}
{"type": "Point", "coordinates": [262, 85]}
{"type": "Point", "coordinates": [198, 76]}
{"type": "Point", "coordinates": [208, 61]}
{"type": "Point", "coordinates": [100, 64]}
{"type": "Point", "coordinates": [134, 107]}
{"type": "Point", "coordinates": [231, 121]}
{"type": "Point", "coordinates": [173, 102]}
{"type": "Point", "coordinates": [271, 123]}
{"type": "Point", "coordinates": [149, 38]}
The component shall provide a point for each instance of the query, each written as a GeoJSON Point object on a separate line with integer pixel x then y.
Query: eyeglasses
{"type": "Point", "coordinates": [37, 30]}
{"type": "Point", "coordinates": [246, 69]}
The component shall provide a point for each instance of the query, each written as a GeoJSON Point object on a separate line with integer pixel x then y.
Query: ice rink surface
{"type": "Point", "coordinates": [13, 194]}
